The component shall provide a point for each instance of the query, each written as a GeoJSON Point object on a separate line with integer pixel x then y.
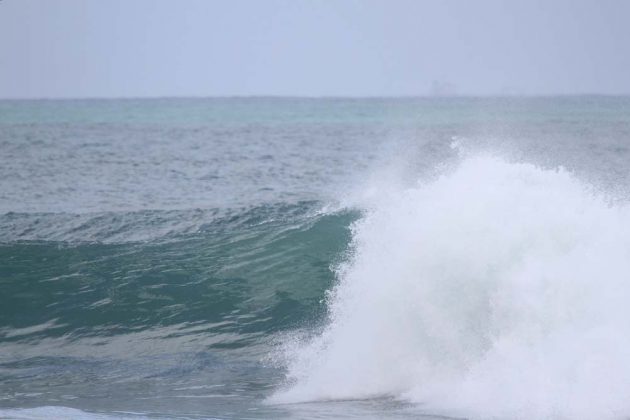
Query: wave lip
{"type": "Point", "coordinates": [498, 290]}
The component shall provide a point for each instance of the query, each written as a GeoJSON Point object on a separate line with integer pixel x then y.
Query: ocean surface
{"type": "Point", "coordinates": [272, 258]}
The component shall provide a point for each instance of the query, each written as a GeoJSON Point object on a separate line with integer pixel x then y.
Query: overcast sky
{"type": "Point", "coordinates": [132, 48]}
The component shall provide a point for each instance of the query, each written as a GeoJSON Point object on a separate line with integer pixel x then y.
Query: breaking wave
{"type": "Point", "coordinates": [498, 289]}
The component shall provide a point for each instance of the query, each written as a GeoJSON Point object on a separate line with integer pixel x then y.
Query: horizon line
{"type": "Point", "coordinates": [274, 96]}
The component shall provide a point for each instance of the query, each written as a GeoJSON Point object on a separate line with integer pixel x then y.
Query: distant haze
{"type": "Point", "coordinates": [138, 48]}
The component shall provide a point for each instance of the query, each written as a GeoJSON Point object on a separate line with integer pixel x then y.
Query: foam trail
{"type": "Point", "coordinates": [499, 290]}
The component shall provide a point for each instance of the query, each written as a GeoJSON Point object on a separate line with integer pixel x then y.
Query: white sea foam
{"type": "Point", "coordinates": [499, 290]}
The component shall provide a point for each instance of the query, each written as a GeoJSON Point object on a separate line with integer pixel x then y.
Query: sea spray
{"type": "Point", "coordinates": [497, 290]}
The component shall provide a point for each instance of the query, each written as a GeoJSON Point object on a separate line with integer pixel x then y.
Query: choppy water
{"type": "Point", "coordinates": [315, 258]}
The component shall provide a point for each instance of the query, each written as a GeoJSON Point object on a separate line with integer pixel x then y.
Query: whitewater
{"type": "Point", "coordinates": [498, 290]}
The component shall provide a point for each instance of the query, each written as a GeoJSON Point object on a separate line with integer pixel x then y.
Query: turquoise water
{"type": "Point", "coordinates": [314, 258]}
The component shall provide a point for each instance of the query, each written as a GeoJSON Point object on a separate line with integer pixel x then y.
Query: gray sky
{"type": "Point", "coordinates": [114, 48]}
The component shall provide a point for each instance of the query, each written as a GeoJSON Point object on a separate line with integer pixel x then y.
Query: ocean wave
{"type": "Point", "coordinates": [222, 279]}
{"type": "Point", "coordinates": [497, 290]}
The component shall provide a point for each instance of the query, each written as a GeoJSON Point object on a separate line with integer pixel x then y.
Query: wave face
{"type": "Point", "coordinates": [215, 280]}
{"type": "Point", "coordinates": [497, 290]}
